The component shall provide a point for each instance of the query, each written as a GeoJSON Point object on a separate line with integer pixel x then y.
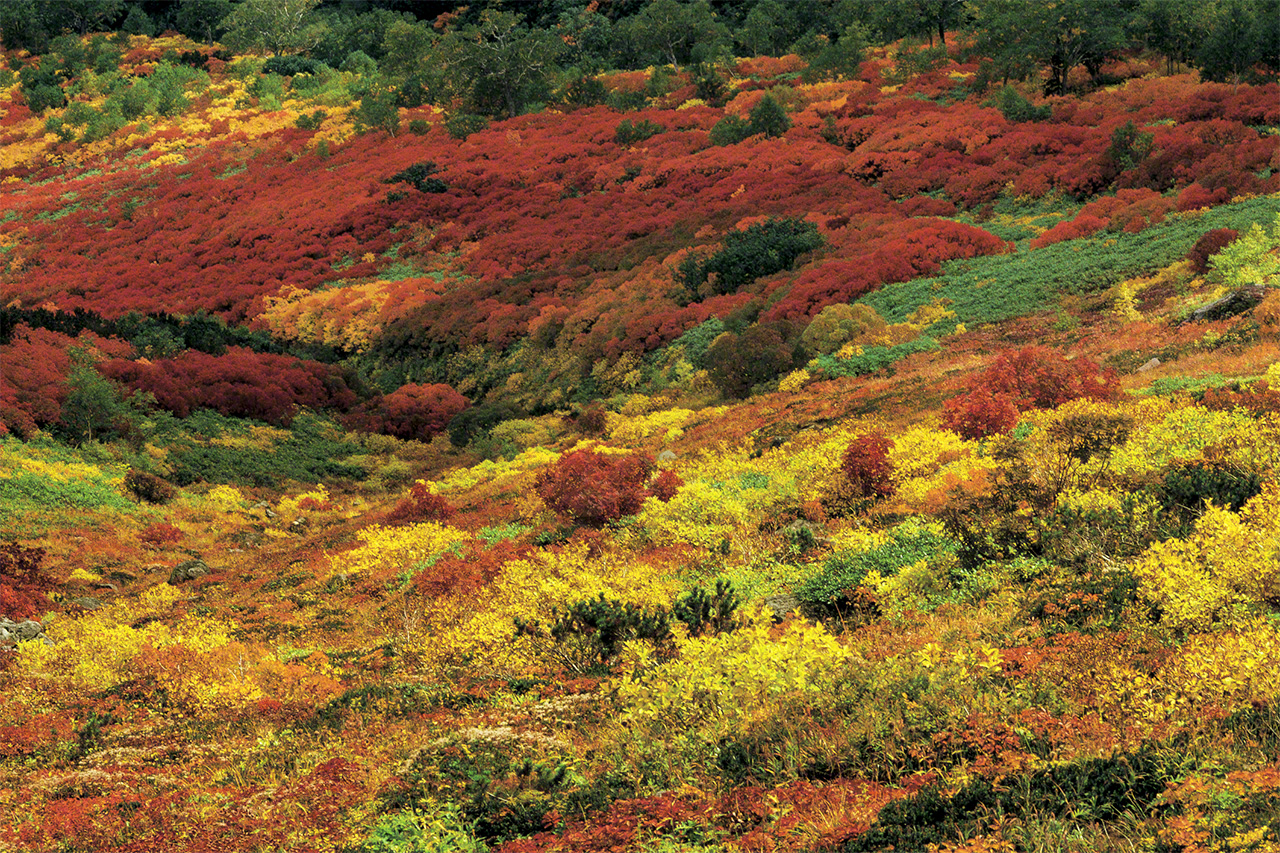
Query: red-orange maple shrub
{"type": "Point", "coordinates": [593, 489]}
{"type": "Point", "coordinates": [866, 464]}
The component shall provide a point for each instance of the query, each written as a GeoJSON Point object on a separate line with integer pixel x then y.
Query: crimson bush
{"type": "Point", "coordinates": [593, 489]}
{"type": "Point", "coordinates": [866, 464]}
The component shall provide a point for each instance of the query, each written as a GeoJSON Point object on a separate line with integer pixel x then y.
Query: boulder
{"type": "Point", "coordinates": [28, 629]}
{"type": "Point", "coordinates": [188, 570]}
{"type": "Point", "coordinates": [1236, 302]}
{"type": "Point", "coordinates": [781, 605]}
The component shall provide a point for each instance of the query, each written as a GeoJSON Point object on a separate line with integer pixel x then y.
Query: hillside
{"type": "Point", "coordinates": [738, 456]}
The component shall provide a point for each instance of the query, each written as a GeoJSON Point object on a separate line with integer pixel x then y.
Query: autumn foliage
{"type": "Point", "coordinates": [240, 383]}
{"type": "Point", "coordinates": [23, 583]}
{"type": "Point", "coordinates": [1030, 378]}
{"type": "Point", "coordinates": [867, 467]}
{"type": "Point", "coordinates": [410, 412]}
{"type": "Point", "coordinates": [593, 488]}
{"type": "Point", "coordinates": [421, 504]}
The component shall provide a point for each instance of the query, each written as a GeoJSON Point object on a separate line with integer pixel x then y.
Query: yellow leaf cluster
{"type": "Point", "coordinates": [397, 549]}
{"type": "Point", "coordinates": [533, 588]}
{"type": "Point", "coordinates": [668, 424]}
{"type": "Point", "coordinates": [1179, 436]}
{"type": "Point", "coordinates": [489, 471]}
{"type": "Point", "coordinates": [794, 381]}
{"type": "Point", "coordinates": [96, 650]}
{"type": "Point", "coordinates": [1229, 565]}
{"type": "Point", "coordinates": [225, 499]}
{"type": "Point", "coordinates": [719, 681]}
{"type": "Point", "coordinates": [700, 514]}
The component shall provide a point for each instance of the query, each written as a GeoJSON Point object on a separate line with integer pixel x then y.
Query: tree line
{"type": "Point", "coordinates": [503, 58]}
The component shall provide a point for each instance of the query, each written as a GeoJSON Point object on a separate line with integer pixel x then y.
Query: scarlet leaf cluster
{"type": "Point", "coordinates": [1030, 378]}
{"type": "Point", "coordinates": [411, 412]}
{"type": "Point", "coordinates": [594, 488]}
{"type": "Point", "coordinates": [866, 465]}
{"type": "Point", "coordinates": [239, 383]}
{"type": "Point", "coordinates": [422, 504]}
{"type": "Point", "coordinates": [22, 582]}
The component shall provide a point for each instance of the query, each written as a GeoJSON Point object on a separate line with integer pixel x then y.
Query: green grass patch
{"type": "Point", "coordinates": [46, 479]}
{"type": "Point", "coordinates": [1001, 287]}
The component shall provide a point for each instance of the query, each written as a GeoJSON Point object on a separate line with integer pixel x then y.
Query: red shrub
{"type": "Point", "coordinates": [1038, 378]}
{"type": "Point", "coordinates": [1209, 245]}
{"type": "Point", "coordinates": [866, 464]}
{"type": "Point", "coordinates": [979, 414]}
{"type": "Point", "coordinates": [160, 534]}
{"type": "Point", "coordinates": [22, 584]}
{"type": "Point", "coordinates": [1029, 378]}
{"type": "Point", "coordinates": [1081, 226]}
{"type": "Point", "coordinates": [1196, 196]}
{"type": "Point", "coordinates": [594, 489]}
{"type": "Point", "coordinates": [665, 485]}
{"type": "Point", "coordinates": [592, 420]}
{"type": "Point", "coordinates": [409, 412]}
{"type": "Point", "coordinates": [421, 504]}
{"type": "Point", "coordinates": [239, 383]}
{"type": "Point", "coordinates": [33, 381]}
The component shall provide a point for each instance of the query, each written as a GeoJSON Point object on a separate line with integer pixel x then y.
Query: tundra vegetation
{"type": "Point", "coordinates": [668, 426]}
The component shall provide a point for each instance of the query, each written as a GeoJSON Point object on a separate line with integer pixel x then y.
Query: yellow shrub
{"type": "Point", "coordinates": [794, 381]}
{"type": "Point", "coordinates": [669, 425]}
{"type": "Point", "coordinates": [1229, 565]}
{"type": "Point", "coordinates": [225, 498]}
{"type": "Point", "coordinates": [725, 678]}
{"type": "Point", "coordinates": [533, 588]}
{"type": "Point", "coordinates": [461, 479]}
{"type": "Point", "coordinates": [290, 505]}
{"type": "Point", "coordinates": [1179, 436]}
{"type": "Point", "coordinates": [699, 514]}
{"type": "Point", "coordinates": [522, 433]}
{"type": "Point", "coordinates": [397, 549]}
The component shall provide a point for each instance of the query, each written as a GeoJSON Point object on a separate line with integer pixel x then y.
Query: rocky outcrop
{"type": "Point", "coordinates": [12, 633]}
{"type": "Point", "coordinates": [1236, 302]}
{"type": "Point", "coordinates": [188, 570]}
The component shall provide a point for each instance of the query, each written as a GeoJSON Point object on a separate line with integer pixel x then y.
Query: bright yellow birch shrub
{"type": "Point", "coordinates": [1226, 568]}
{"type": "Point", "coordinates": [700, 514]}
{"type": "Point", "coordinates": [675, 713]}
{"type": "Point", "coordinates": [398, 549]}
{"type": "Point", "coordinates": [482, 631]}
{"type": "Point", "coordinates": [668, 425]}
{"type": "Point", "coordinates": [1180, 435]}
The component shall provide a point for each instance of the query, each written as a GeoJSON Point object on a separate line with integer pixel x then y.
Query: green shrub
{"type": "Point", "coordinates": [288, 66]}
{"type": "Point", "coordinates": [755, 251]}
{"type": "Point", "coordinates": [1000, 287]}
{"type": "Point", "coordinates": [1016, 108]}
{"type": "Point", "coordinates": [1095, 789]}
{"type": "Point", "coordinates": [828, 592]}
{"type": "Point", "coordinates": [871, 359]}
{"type": "Point", "coordinates": [1187, 488]}
{"type": "Point", "coordinates": [311, 121]}
{"type": "Point", "coordinates": [462, 125]}
{"type": "Point", "coordinates": [629, 134]}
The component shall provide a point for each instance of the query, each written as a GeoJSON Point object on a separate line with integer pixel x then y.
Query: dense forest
{"type": "Point", "coordinates": [658, 425]}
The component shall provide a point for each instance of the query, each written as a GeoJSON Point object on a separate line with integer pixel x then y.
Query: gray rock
{"type": "Point", "coordinates": [1236, 302]}
{"type": "Point", "coordinates": [250, 538]}
{"type": "Point", "coordinates": [86, 602]}
{"type": "Point", "coordinates": [188, 570]}
{"type": "Point", "coordinates": [781, 605]}
{"type": "Point", "coordinates": [667, 456]}
{"type": "Point", "coordinates": [25, 630]}
{"type": "Point", "coordinates": [1150, 365]}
